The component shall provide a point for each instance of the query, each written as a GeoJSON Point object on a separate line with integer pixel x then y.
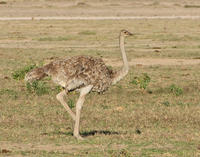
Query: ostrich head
{"type": "Point", "coordinates": [125, 33]}
{"type": "Point", "coordinates": [35, 74]}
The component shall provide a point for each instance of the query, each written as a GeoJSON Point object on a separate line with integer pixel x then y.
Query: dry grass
{"type": "Point", "coordinates": [125, 120]}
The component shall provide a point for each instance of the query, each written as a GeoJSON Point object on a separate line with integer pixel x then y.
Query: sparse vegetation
{"type": "Point", "coordinates": [71, 103]}
{"type": "Point", "coordinates": [58, 89]}
{"type": "Point", "coordinates": [142, 81]}
{"type": "Point", "coordinates": [166, 103]}
{"type": "Point", "coordinates": [37, 87]}
{"type": "Point", "coordinates": [122, 121]}
{"type": "Point", "coordinates": [20, 73]}
{"type": "Point", "coordinates": [176, 90]}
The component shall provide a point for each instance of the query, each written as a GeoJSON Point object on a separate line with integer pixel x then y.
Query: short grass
{"type": "Point", "coordinates": [162, 120]}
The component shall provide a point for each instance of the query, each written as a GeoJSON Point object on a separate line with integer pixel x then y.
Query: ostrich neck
{"type": "Point", "coordinates": [125, 62]}
{"type": "Point", "coordinates": [123, 72]}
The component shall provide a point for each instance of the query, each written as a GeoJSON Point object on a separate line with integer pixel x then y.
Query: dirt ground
{"type": "Point", "coordinates": [70, 8]}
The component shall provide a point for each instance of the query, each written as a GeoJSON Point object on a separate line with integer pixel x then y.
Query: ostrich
{"type": "Point", "coordinates": [83, 73]}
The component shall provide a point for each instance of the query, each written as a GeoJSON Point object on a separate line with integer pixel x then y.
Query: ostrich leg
{"type": "Point", "coordinates": [60, 98]}
{"type": "Point", "coordinates": [83, 92]}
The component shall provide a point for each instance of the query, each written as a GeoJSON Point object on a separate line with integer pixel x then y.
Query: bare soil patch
{"type": "Point", "coordinates": [97, 8]}
{"type": "Point", "coordinates": [96, 18]}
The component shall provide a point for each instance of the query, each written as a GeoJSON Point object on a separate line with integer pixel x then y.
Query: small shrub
{"type": "Point", "coordinates": [166, 103]}
{"type": "Point", "coordinates": [174, 89]}
{"type": "Point", "coordinates": [143, 81]}
{"type": "Point", "coordinates": [71, 103]}
{"type": "Point", "coordinates": [20, 73]}
{"type": "Point", "coordinates": [138, 131]}
{"type": "Point", "coordinates": [57, 89]}
{"type": "Point", "coordinates": [150, 91]}
{"type": "Point", "coordinates": [37, 87]}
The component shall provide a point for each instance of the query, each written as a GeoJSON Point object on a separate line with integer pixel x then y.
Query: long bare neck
{"type": "Point", "coordinates": [124, 71]}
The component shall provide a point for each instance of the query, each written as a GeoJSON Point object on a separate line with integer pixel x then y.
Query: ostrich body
{"type": "Point", "coordinates": [84, 73]}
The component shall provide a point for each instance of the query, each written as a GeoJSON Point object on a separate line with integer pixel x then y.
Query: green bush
{"type": "Point", "coordinates": [142, 81]}
{"type": "Point", "coordinates": [71, 103]}
{"type": "Point", "coordinates": [174, 89]}
{"type": "Point", "coordinates": [37, 87]}
{"type": "Point", "coordinates": [20, 73]}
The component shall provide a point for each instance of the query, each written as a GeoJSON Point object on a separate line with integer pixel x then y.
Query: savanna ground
{"type": "Point", "coordinates": [27, 8]}
{"type": "Point", "coordinates": [161, 120]}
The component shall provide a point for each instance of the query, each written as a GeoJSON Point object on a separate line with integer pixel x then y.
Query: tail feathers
{"type": "Point", "coordinates": [35, 74]}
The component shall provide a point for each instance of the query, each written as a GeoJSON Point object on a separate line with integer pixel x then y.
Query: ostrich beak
{"type": "Point", "coordinates": [131, 34]}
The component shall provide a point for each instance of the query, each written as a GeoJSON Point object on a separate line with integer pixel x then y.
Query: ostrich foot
{"type": "Point", "coordinates": [79, 137]}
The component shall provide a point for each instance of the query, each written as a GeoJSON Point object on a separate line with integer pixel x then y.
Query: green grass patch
{"type": "Point", "coordinates": [71, 103]}
{"type": "Point", "coordinates": [176, 90]}
{"type": "Point", "coordinates": [142, 81]}
{"type": "Point", "coordinates": [38, 87]}
{"type": "Point", "coordinates": [20, 73]}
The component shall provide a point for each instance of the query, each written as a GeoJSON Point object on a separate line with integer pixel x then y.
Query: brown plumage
{"type": "Point", "coordinates": [81, 72]}
{"type": "Point", "coordinates": [76, 72]}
